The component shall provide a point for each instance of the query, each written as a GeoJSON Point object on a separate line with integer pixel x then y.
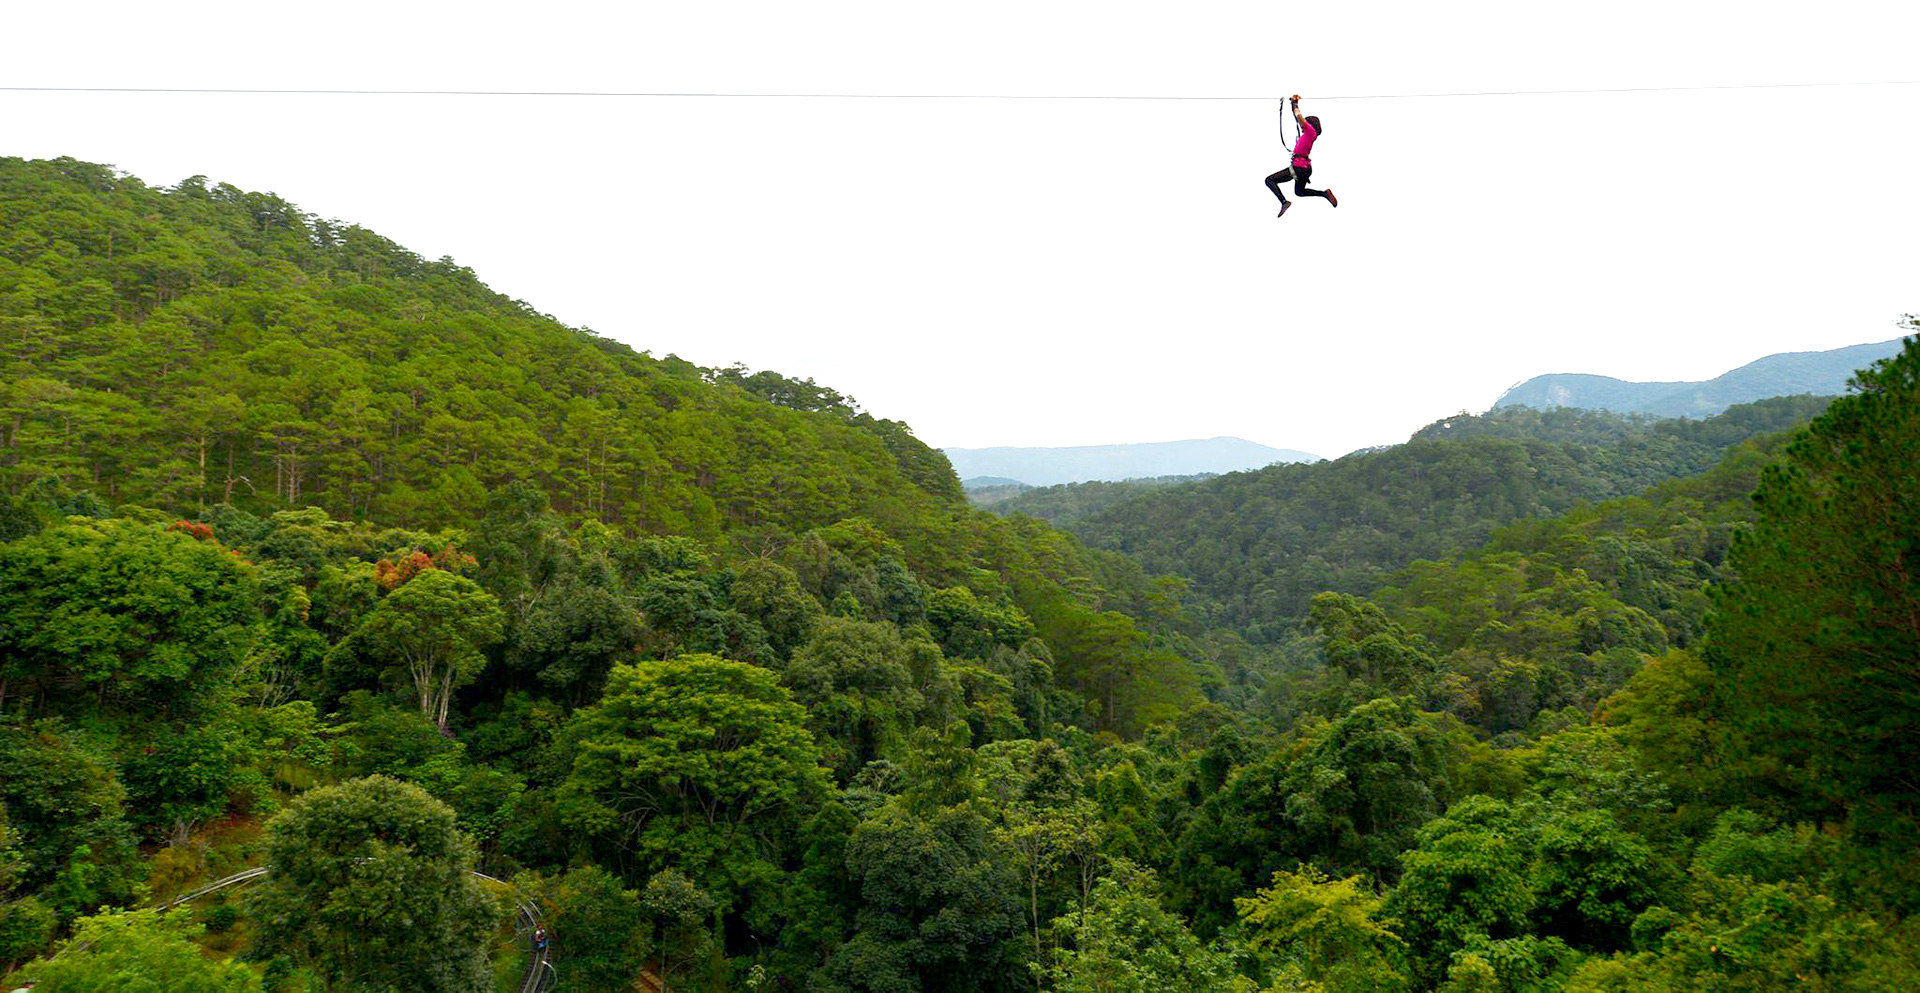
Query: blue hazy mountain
{"type": "Point", "coordinates": [1781, 374]}
{"type": "Point", "coordinates": [1052, 466]}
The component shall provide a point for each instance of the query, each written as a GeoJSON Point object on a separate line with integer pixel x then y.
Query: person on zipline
{"type": "Point", "coordinates": [1302, 167]}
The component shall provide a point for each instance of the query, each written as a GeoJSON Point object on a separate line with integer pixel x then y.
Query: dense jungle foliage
{"type": "Point", "coordinates": [723, 679]}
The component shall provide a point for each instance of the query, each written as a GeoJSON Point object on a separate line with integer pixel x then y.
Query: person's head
{"type": "Point", "coordinates": [1315, 121]}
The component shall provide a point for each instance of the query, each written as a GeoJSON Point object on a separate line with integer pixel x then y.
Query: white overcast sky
{"type": "Point", "coordinates": [1072, 272]}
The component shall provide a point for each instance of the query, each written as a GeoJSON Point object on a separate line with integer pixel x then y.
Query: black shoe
{"type": "Point", "coordinates": [1284, 204]}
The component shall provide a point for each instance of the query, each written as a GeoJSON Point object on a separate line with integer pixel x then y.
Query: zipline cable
{"type": "Point", "coordinates": [1619, 89]}
{"type": "Point", "coordinates": [636, 94]}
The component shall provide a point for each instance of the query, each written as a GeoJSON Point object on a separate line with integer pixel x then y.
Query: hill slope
{"type": "Point", "coordinates": [1782, 374]}
{"type": "Point", "coordinates": [1068, 503]}
{"type": "Point", "coordinates": [196, 345]}
{"type": "Point", "coordinates": [1052, 466]}
{"type": "Point", "coordinates": [210, 353]}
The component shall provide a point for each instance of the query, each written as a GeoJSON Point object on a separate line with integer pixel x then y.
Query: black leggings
{"type": "Point", "coordinates": [1299, 175]}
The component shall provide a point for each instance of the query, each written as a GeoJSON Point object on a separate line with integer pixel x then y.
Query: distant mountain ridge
{"type": "Point", "coordinates": [1053, 466]}
{"type": "Point", "coordinates": [1781, 374]}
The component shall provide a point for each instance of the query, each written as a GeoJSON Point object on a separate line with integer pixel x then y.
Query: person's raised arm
{"type": "Point", "coordinates": [1297, 119]}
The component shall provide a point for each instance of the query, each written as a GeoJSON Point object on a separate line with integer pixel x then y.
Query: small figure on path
{"type": "Point", "coordinates": [1301, 168]}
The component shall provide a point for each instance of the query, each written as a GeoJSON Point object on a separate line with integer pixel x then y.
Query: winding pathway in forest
{"type": "Point", "coordinates": [540, 976]}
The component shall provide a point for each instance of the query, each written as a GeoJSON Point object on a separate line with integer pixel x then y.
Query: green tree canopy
{"type": "Point", "coordinates": [66, 811]}
{"type": "Point", "coordinates": [434, 625]}
{"type": "Point", "coordinates": [1591, 879]}
{"type": "Point", "coordinates": [692, 763]}
{"type": "Point", "coordinates": [940, 903]}
{"type": "Point", "coordinates": [1128, 943]}
{"type": "Point", "coordinates": [599, 932]}
{"type": "Point", "coordinates": [854, 680]}
{"type": "Point", "coordinates": [1467, 879]}
{"type": "Point", "coordinates": [369, 886]}
{"type": "Point", "coordinates": [150, 621]}
{"type": "Point", "coordinates": [1365, 783]}
{"type": "Point", "coordinates": [1331, 929]}
{"type": "Point", "coordinates": [1812, 649]}
{"type": "Point", "coordinates": [140, 951]}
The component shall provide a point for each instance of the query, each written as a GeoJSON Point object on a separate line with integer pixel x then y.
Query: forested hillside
{"type": "Point", "coordinates": [289, 505]}
{"type": "Point", "coordinates": [1068, 503]}
{"type": "Point", "coordinates": [1260, 544]}
{"type": "Point", "coordinates": [492, 655]}
{"type": "Point", "coordinates": [202, 345]}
